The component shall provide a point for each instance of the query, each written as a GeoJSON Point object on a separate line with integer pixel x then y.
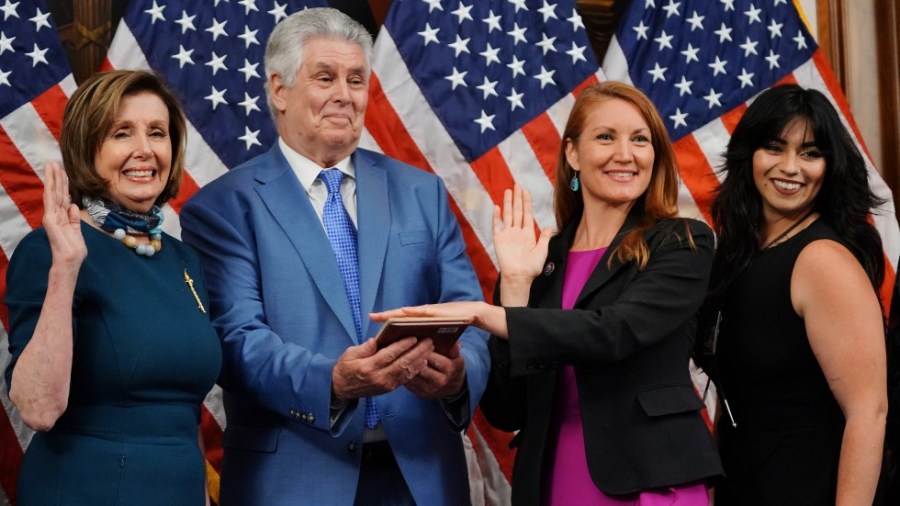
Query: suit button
{"type": "Point", "coordinates": [351, 446]}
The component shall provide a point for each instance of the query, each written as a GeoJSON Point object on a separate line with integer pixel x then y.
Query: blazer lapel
{"type": "Point", "coordinates": [290, 207]}
{"type": "Point", "coordinates": [602, 273]}
{"type": "Point", "coordinates": [374, 227]}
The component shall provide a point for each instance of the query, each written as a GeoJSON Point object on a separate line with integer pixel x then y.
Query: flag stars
{"type": "Point", "coordinates": [772, 58]}
{"type": "Point", "coordinates": [429, 34]}
{"type": "Point", "coordinates": [37, 55]}
{"type": "Point", "coordinates": [641, 30]}
{"type": "Point", "coordinates": [658, 73]}
{"type": "Point", "coordinates": [216, 97]}
{"type": "Point", "coordinates": [671, 8]}
{"type": "Point", "coordinates": [249, 104]}
{"type": "Point", "coordinates": [718, 66]}
{"type": "Point", "coordinates": [749, 47]}
{"type": "Point", "coordinates": [249, 138]}
{"type": "Point", "coordinates": [6, 43]}
{"type": "Point", "coordinates": [517, 66]}
{"type": "Point", "coordinates": [712, 98]}
{"type": "Point", "coordinates": [186, 22]}
{"type": "Point", "coordinates": [486, 121]}
{"type": "Point", "coordinates": [577, 53]}
{"type": "Point", "coordinates": [249, 37]}
{"type": "Point", "coordinates": [518, 34]}
{"type": "Point", "coordinates": [515, 100]}
{"type": "Point", "coordinates": [678, 118]}
{"type": "Point", "coordinates": [684, 87]}
{"type": "Point", "coordinates": [461, 45]}
{"type": "Point", "coordinates": [434, 4]}
{"type": "Point", "coordinates": [800, 40]}
{"type": "Point", "coordinates": [576, 20]}
{"type": "Point", "coordinates": [546, 44]}
{"type": "Point", "coordinates": [490, 55]}
{"type": "Point", "coordinates": [520, 5]}
{"type": "Point", "coordinates": [690, 53]}
{"type": "Point", "coordinates": [649, 3]}
{"type": "Point", "coordinates": [752, 14]}
{"type": "Point", "coordinates": [729, 4]}
{"type": "Point", "coordinates": [488, 88]}
{"type": "Point", "coordinates": [156, 13]}
{"type": "Point", "coordinates": [217, 29]}
{"type": "Point", "coordinates": [545, 77]}
{"type": "Point", "coordinates": [249, 5]}
{"type": "Point", "coordinates": [217, 63]}
{"type": "Point", "coordinates": [40, 20]}
{"type": "Point", "coordinates": [777, 2]}
{"type": "Point", "coordinates": [549, 11]}
{"type": "Point", "coordinates": [724, 33]}
{"type": "Point", "coordinates": [457, 78]}
{"type": "Point", "coordinates": [493, 22]}
{"type": "Point", "coordinates": [183, 56]}
{"type": "Point", "coordinates": [746, 78]}
{"type": "Point", "coordinates": [696, 21]}
{"type": "Point", "coordinates": [463, 12]}
{"type": "Point", "coordinates": [278, 12]}
{"type": "Point", "coordinates": [774, 29]}
{"type": "Point", "coordinates": [664, 40]}
{"type": "Point", "coordinates": [249, 70]}
{"type": "Point", "coordinates": [4, 78]}
{"type": "Point", "coordinates": [9, 9]}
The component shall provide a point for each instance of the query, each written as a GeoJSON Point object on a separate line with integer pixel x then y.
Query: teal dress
{"type": "Point", "coordinates": [145, 356]}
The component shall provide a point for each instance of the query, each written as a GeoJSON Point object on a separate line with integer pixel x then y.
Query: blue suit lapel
{"type": "Point", "coordinates": [290, 207]}
{"type": "Point", "coordinates": [374, 227]}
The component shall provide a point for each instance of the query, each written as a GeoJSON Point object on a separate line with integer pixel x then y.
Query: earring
{"type": "Point", "coordinates": [574, 183]}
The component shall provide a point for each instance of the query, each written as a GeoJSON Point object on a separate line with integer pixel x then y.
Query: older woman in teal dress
{"type": "Point", "coordinates": [112, 350]}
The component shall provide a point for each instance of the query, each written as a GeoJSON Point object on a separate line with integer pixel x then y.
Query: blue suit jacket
{"type": "Point", "coordinates": [278, 303]}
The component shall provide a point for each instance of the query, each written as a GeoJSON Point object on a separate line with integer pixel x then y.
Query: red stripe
{"type": "Point", "coordinates": [49, 106]}
{"type": "Point", "coordinates": [188, 188]}
{"type": "Point", "coordinates": [22, 185]}
{"type": "Point", "coordinates": [730, 119]}
{"type": "Point", "coordinates": [493, 172]}
{"type": "Point", "coordinates": [544, 140]}
{"type": "Point", "coordinates": [696, 173]}
{"type": "Point", "coordinates": [4, 312]}
{"type": "Point", "coordinates": [105, 65]}
{"type": "Point", "coordinates": [10, 457]}
{"type": "Point", "coordinates": [837, 94]}
{"type": "Point", "coordinates": [498, 442]}
{"type": "Point", "coordinates": [212, 438]}
{"type": "Point", "coordinates": [592, 79]}
{"type": "Point", "coordinates": [390, 133]}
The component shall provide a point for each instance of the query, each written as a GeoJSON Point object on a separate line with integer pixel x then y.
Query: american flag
{"type": "Point", "coordinates": [35, 83]}
{"type": "Point", "coordinates": [703, 61]}
{"type": "Point", "coordinates": [478, 92]}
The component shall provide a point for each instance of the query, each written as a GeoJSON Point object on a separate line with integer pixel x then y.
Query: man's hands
{"type": "Point", "coordinates": [364, 370]}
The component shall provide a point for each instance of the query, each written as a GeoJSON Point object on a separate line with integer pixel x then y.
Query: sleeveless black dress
{"type": "Point", "coordinates": [786, 445]}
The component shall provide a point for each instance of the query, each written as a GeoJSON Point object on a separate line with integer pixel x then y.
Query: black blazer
{"type": "Point", "coordinates": [629, 338]}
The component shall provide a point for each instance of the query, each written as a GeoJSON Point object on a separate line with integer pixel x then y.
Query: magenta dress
{"type": "Point", "coordinates": [569, 481]}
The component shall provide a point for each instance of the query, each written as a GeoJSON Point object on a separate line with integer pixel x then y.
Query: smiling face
{"type": "Point", "coordinates": [135, 156]}
{"type": "Point", "coordinates": [321, 115]}
{"type": "Point", "coordinates": [788, 171]}
{"type": "Point", "coordinates": [613, 156]}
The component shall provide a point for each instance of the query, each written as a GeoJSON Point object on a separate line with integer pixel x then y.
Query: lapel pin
{"type": "Point", "coordinates": [549, 267]}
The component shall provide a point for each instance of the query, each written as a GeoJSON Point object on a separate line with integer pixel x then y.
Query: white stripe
{"type": "Point", "coordinates": [497, 490]}
{"type": "Point", "coordinates": [31, 137]}
{"type": "Point", "coordinates": [14, 225]}
{"type": "Point", "coordinates": [23, 433]}
{"type": "Point", "coordinates": [559, 112]}
{"type": "Point", "coordinates": [200, 161]}
{"type": "Point", "coordinates": [213, 403]}
{"type": "Point", "coordinates": [687, 206]}
{"type": "Point", "coordinates": [615, 66]}
{"type": "Point", "coordinates": [68, 86]}
{"type": "Point", "coordinates": [527, 171]}
{"type": "Point", "coordinates": [807, 76]}
{"type": "Point", "coordinates": [436, 144]}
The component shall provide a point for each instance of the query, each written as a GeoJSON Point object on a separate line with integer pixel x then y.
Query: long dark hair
{"type": "Point", "coordinates": [844, 200]}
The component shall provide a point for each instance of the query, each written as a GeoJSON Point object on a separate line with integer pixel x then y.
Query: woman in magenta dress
{"type": "Point", "coordinates": [593, 328]}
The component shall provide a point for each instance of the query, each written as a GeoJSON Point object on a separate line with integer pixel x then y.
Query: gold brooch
{"type": "Point", "coordinates": [190, 284]}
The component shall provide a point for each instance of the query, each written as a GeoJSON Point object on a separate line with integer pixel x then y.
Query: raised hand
{"type": "Point", "coordinates": [62, 220]}
{"type": "Point", "coordinates": [520, 254]}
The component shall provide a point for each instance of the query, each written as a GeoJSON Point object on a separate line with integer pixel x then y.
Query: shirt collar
{"type": "Point", "coordinates": [307, 171]}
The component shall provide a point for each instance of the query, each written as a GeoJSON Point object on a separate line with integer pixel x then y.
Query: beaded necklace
{"type": "Point", "coordinates": [126, 225]}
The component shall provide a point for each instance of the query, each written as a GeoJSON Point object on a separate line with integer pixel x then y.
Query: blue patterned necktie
{"type": "Point", "coordinates": [342, 236]}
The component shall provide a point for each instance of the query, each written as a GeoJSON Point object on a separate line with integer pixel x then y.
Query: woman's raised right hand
{"type": "Point", "coordinates": [62, 220]}
{"type": "Point", "coordinates": [520, 253]}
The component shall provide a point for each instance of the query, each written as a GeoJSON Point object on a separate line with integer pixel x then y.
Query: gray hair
{"type": "Point", "coordinates": [284, 50]}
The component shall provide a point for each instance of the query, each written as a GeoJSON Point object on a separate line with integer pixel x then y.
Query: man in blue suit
{"type": "Point", "coordinates": [299, 245]}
